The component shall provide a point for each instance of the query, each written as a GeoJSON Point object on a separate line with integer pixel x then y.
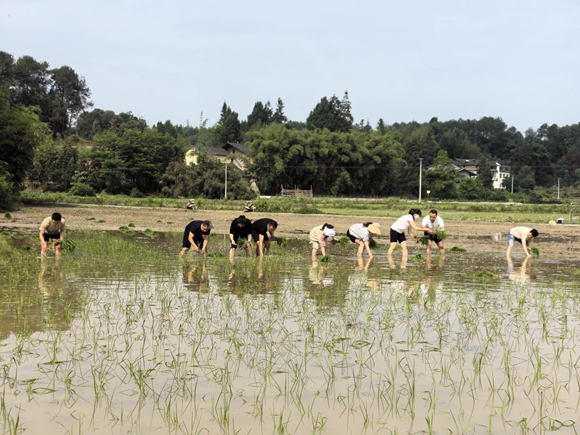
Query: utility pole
{"type": "Point", "coordinates": [558, 188]}
{"type": "Point", "coordinates": [420, 176]}
{"type": "Point", "coordinates": [512, 182]}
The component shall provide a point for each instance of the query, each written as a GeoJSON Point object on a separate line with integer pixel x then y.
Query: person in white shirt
{"type": "Point", "coordinates": [361, 235]}
{"type": "Point", "coordinates": [523, 235]}
{"type": "Point", "coordinates": [435, 223]}
{"type": "Point", "coordinates": [405, 223]}
{"type": "Point", "coordinates": [52, 228]}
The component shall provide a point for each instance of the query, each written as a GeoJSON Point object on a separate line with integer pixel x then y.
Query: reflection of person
{"type": "Point", "coordinates": [196, 234]}
{"type": "Point", "coordinates": [45, 277]}
{"type": "Point", "coordinates": [361, 234]}
{"type": "Point", "coordinates": [434, 223]}
{"type": "Point", "coordinates": [393, 265]}
{"type": "Point", "coordinates": [523, 235]}
{"type": "Point", "coordinates": [241, 227]}
{"type": "Point", "coordinates": [200, 278]}
{"type": "Point", "coordinates": [524, 275]}
{"type": "Point", "coordinates": [318, 237]}
{"type": "Point", "coordinates": [260, 230]}
{"type": "Point", "coordinates": [405, 223]}
{"type": "Point", "coordinates": [52, 228]}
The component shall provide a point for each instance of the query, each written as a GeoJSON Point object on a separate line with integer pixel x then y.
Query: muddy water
{"type": "Point", "coordinates": [150, 343]}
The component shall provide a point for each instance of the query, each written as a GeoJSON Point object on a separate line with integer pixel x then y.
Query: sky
{"type": "Point", "coordinates": [399, 61]}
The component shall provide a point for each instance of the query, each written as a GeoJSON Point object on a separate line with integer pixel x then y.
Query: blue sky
{"type": "Point", "coordinates": [400, 61]}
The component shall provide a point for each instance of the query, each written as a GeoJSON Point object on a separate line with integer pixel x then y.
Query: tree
{"type": "Point", "coordinates": [332, 114]}
{"type": "Point", "coordinates": [470, 188]}
{"type": "Point", "coordinates": [261, 115]}
{"type": "Point", "coordinates": [442, 176]}
{"type": "Point", "coordinates": [226, 111]}
{"type": "Point", "coordinates": [20, 133]}
{"type": "Point", "coordinates": [232, 129]}
{"type": "Point", "coordinates": [484, 173]}
{"type": "Point", "coordinates": [279, 117]}
{"type": "Point", "coordinates": [6, 68]}
{"type": "Point", "coordinates": [69, 96]}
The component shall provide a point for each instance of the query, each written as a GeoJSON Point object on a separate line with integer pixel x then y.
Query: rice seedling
{"type": "Point", "coordinates": [535, 252]}
{"type": "Point", "coordinates": [326, 259]}
{"type": "Point", "coordinates": [457, 250]}
{"type": "Point", "coordinates": [127, 335]}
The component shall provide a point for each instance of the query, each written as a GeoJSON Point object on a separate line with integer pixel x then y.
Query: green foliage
{"type": "Point", "coordinates": [6, 193]}
{"type": "Point", "coordinates": [281, 241]}
{"type": "Point", "coordinates": [442, 176]}
{"type": "Point", "coordinates": [69, 244]}
{"type": "Point", "coordinates": [326, 259]}
{"type": "Point", "coordinates": [336, 163]}
{"type": "Point", "coordinates": [206, 180]}
{"type": "Point", "coordinates": [344, 240]}
{"type": "Point", "coordinates": [470, 188]}
{"type": "Point", "coordinates": [82, 189]}
{"type": "Point", "coordinates": [535, 252]}
{"type": "Point", "coordinates": [457, 250]}
{"type": "Point", "coordinates": [333, 114]}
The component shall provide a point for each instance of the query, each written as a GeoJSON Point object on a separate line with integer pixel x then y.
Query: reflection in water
{"type": "Point", "coordinates": [197, 277]}
{"type": "Point", "coordinates": [521, 275]}
{"type": "Point", "coordinates": [393, 264]}
{"type": "Point", "coordinates": [310, 344]}
{"type": "Point", "coordinates": [50, 276]}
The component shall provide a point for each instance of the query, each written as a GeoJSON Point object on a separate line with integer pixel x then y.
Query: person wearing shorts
{"type": "Point", "coordinates": [318, 237]}
{"type": "Point", "coordinates": [405, 223]}
{"type": "Point", "coordinates": [52, 228]}
{"type": "Point", "coordinates": [196, 235]}
{"type": "Point", "coordinates": [241, 227]}
{"type": "Point", "coordinates": [361, 234]}
{"type": "Point", "coordinates": [434, 223]}
{"type": "Point", "coordinates": [523, 235]}
{"type": "Point", "coordinates": [260, 230]}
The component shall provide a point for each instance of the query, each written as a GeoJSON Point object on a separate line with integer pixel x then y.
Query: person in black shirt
{"type": "Point", "coordinates": [260, 230]}
{"type": "Point", "coordinates": [196, 234]}
{"type": "Point", "coordinates": [241, 227]}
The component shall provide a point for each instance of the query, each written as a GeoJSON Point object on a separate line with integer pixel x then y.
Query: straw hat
{"type": "Point", "coordinates": [375, 228]}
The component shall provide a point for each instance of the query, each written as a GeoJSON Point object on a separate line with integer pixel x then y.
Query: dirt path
{"type": "Point", "coordinates": [554, 241]}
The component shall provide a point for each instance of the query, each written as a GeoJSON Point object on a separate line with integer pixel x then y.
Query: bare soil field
{"type": "Point", "coordinates": [554, 240]}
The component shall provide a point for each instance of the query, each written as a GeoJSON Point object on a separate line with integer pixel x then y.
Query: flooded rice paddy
{"type": "Point", "coordinates": [123, 336]}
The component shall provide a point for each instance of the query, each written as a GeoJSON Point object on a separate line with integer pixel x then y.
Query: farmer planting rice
{"type": "Point", "coordinates": [196, 234]}
{"type": "Point", "coordinates": [523, 235]}
{"type": "Point", "coordinates": [405, 223]}
{"type": "Point", "coordinates": [241, 227]}
{"type": "Point", "coordinates": [318, 238]}
{"type": "Point", "coordinates": [361, 234]}
{"type": "Point", "coordinates": [437, 226]}
{"type": "Point", "coordinates": [52, 228]}
{"type": "Point", "coordinates": [260, 230]}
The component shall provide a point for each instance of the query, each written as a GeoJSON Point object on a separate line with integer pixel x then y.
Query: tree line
{"type": "Point", "coordinates": [52, 139]}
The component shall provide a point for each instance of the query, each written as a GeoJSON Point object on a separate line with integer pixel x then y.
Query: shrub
{"type": "Point", "coordinates": [82, 189]}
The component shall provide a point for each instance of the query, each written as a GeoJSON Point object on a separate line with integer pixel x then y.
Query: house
{"type": "Point", "coordinates": [239, 153]}
{"type": "Point", "coordinates": [192, 155]}
{"type": "Point", "coordinates": [498, 174]}
{"type": "Point", "coordinates": [234, 153]}
{"type": "Point", "coordinates": [498, 171]}
{"type": "Point", "coordinates": [468, 168]}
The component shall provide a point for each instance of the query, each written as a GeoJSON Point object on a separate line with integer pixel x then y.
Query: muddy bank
{"type": "Point", "coordinates": [554, 241]}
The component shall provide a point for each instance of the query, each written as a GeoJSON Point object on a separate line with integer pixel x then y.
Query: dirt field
{"type": "Point", "coordinates": [554, 241]}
